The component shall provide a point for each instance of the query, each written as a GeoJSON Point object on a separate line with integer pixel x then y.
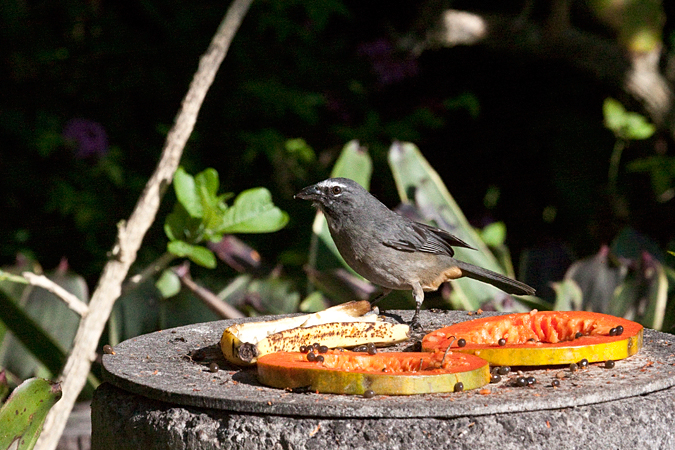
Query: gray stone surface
{"type": "Point", "coordinates": [164, 398]}
{"type": "Point", "coordinates": [124, 421]}
{"type": "Point", "coordinates": [157, 366]}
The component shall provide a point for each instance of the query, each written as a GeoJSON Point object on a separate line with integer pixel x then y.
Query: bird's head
{"type": "Point", "coordinates": [335, 195]}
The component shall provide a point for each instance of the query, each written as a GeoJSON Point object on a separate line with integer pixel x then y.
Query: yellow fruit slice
{"type": "Point", "coordinates": [385, 373]}
{"type": "Point", "coordinates": [541, 338]}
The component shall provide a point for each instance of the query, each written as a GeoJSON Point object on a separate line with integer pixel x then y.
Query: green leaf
{"type": "Point", "coordinates": [637, 127]}
{"type": "Point", "coordinates": [196, 253]}
{"type": "Point", "coordinates": [313, 302]}
{"type": "Point", "coordinates": [253, 212]}
{"type": "Point", "coordinates": [624, 124]}
{"type": "Point", "coordinates": [24, 413]}
{"type": "Point", "coordinates": [643, 296]}
{"type": "Point", "coordinates": [180, 226]}
{"type": "Point", "coordinates": [276, 295]}
{"type": "Point", "coordinates": [31, 335]}
{"type": "Point", "coordinates": [419, 183]}
{"type": "Point", "coordinates": [614, 113]}
{"type": "Point", "coordinates": [186, 192]}
{"type": "Point", "coordinates": [355, 163]}
{"type": "Point", "coordinates": [4, 386]}
{"type": "Point", "coordinates": [208, 182]}
{"type": "Point", "coordinates": [168, 283]}
{"type": "Point", "coordinates": [568, 296]}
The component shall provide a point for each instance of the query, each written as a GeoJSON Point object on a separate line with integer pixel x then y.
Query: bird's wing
{"type": "Point", "coordinates": [418, 237]}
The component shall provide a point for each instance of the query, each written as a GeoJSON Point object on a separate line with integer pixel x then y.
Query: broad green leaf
{"type": "Point", "coordinates": [643, 296]}
{"type": "Point", "coordinates": [313, 302]}
{"type": "Point", "coordinates": [4, 386]}
{"type": "Point", "coordinates": [52, 315]}
{"type": "Point", "coordinates": [253, 212]}
{"type": "Point", "coordinates": [30, 334]}
{"type": "Point", "coordinates": [168, 283]}
{"type": "Point", "coordinates": [24, 413]}
{"type": "Point", "coordinates": [180, 226]}
{"type": "Point", "coordinates": [206, 185]}
{"type": "Point", "coordinates": [568, 296]}
{"type": "Point", "coordinates": [276, 295]}
{"type": "Point", "coordinates": [624, 124]}
{"type": "Point", "coordinates": [637, 127]}
{"type": "Point", "coordinates": [196, 253]}
{"type": "Point", "coordinates": [419, 183]}
{"type": "Point", "coordinates": [186, 193]}
{"type": "Point", "coordinates": [208, 181]}
{"type": "Point", "coordinates": [598, 277]}
{"type": "Point", "coordinates": [614, 113]}
{"type": "Point", "coordinates": [354, 163]}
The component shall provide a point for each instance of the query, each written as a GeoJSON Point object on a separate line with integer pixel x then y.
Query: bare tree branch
{"type": "Point", "coordinates": [211, 300]}
{"type": "Point", "coordinates": [130, 234]}
{"type": "Point", "coordinates": [73, 302]}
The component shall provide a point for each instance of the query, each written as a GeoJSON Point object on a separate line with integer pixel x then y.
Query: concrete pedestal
{"type": "Point", "coordinates": [160, 394]}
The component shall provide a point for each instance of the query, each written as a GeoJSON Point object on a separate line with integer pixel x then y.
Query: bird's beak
{"type": "Point", "coordinates": [309, 193]}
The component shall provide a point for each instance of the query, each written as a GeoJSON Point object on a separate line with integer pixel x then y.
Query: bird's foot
{"type": "Point", "coordinates": [415, 324]}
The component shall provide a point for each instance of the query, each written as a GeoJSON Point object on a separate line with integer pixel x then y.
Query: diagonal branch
{"type": "Point", "coordinates": [130, 234]}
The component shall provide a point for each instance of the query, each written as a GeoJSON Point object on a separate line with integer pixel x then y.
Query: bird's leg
{"type": "Point", "coordinates": [380, 296]}
{"type": "Point", "coordinates": [418, 295]}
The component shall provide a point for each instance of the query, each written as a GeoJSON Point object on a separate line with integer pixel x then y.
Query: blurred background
{"type": "Point", "coordinates": [507, 102]}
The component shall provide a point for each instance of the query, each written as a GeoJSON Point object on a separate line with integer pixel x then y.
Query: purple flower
{"type": "Point", "coordinates": [88, 136]}
{"type": "Point", "coordinates": [389, 65]}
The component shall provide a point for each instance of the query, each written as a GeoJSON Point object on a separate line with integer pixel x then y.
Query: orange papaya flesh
{"type": "Point", "coordinates": [541, 338]}
{"type": "Point", "coordinates": [385, 373]}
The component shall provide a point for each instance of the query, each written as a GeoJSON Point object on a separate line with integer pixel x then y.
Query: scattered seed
{"type": "Point", "coordinates": [369, 394]}
{"type": "Point", "coordinates": [531, 381]}
{"type": "Point", "coordinates": [311, 357]}
{"type": "Point", "coordinates": [461, 342]}
{"type": "Point", "coordinates": [459, 387]}
{"type": "Point", "coordinates": [303, 349]}
{"type": "Point", "coordinates": [609, 364]}
{"type": "Point", "coordinates": [495, 378]}
{"type": "Point", "coordinates": [612, 332]}
{"type": "Point", "coordinates": [574, 367]}
{"type": "Point", "coordinates": [108, 350]}
{"type": "Point", "coordinates": [360, 348]}
{"type": "Point", "coordinates": [560, 375]}
{"type": "Point", "coordinates": [583, 363]}
{"type": "Point", "coordinates": [578, 335]}
{"type": "Point", "coordinates": [619, 330]}
{"type": "Point", "coordinates": [213, 367]}
{"type": "Point", "coordinates": [316, 345]}
{"type": "Point", "coordinates": [521, 381]}
{"type": "Point", "coordinates": [319, 359]}
{"type": "Point", "coordinates": [555, 382]}
{"type": "Point", "coordinates": [501, 342]}
{"type": "Point", "coordinates": [323, 349]}
{"type": "Point", "coordinates": [504, 370]}
{"type": "Point", "coordinates": [372, 350]}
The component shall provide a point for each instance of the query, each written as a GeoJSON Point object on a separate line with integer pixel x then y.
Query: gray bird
{"type": "Point", "coordinates": [391, 250]}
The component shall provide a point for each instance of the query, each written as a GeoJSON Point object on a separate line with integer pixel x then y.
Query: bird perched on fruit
{"type": "Point", "coordinates": [391, 250]}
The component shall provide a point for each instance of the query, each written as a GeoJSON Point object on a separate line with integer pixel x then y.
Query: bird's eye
{"type": "Point", "coordinates": [336, 190]}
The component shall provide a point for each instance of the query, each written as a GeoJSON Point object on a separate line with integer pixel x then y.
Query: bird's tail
{"type": "Point", "coordinates": [506, 284]}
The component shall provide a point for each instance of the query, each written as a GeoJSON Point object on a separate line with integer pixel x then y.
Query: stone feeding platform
{"type": "Point", "coordinates": [161, 393]}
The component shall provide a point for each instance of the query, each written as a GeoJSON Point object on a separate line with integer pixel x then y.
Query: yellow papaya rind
{"type": "Point", "coordinates": [535, 354]}
{"type": "Point", "coordinates": [297, 372]}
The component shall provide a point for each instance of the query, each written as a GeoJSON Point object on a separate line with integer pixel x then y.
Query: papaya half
{"type": "Point", "coordinates": [541, 338]}
{"type": "Point", "coordinates": [384, 373]}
